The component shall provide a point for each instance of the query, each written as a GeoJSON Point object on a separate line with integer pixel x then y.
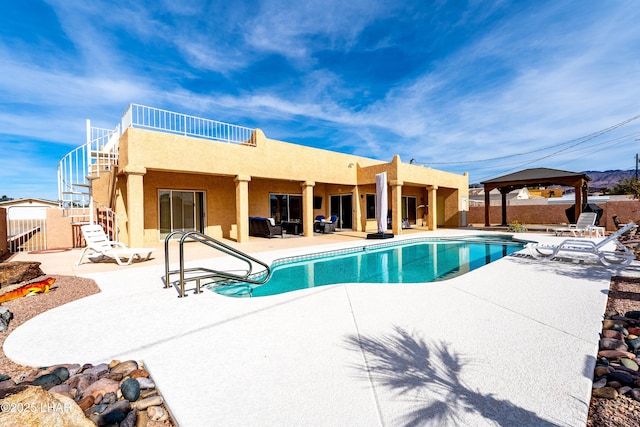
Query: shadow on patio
{"type": "Point", "coordinates": [408, 366]}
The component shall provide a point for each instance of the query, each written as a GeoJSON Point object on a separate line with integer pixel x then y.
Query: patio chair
{"type": "Point", "coordinates": [621, 256]}
{"type": "Point", "coordinates": [585, 221]}
{"type": "Point", "coordinates": [98, 244]}
{"type": "Point", "coordinates": [317, 223]}
{"type": "Point", "coordinates": [324, 226]}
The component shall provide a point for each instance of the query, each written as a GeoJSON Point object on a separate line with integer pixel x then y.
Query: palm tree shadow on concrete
{"type": "Point", "coordinates": [409, 366]}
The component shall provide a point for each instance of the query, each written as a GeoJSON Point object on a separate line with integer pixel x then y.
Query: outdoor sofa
{"type": "Point", "coordinates": [263, 227]}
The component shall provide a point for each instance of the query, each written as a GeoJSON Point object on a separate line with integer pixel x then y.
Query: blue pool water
{"type": "Point", "coordinates": [414, 261]}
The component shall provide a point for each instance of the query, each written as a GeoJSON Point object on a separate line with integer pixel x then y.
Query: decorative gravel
{"type": "Point", "coordinates": [624, 296]}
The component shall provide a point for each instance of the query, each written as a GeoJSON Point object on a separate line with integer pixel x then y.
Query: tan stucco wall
{"type": "Point", "coordinates": [268, 159]}
{"type": "Point", "coordinates": [167, 161]}
{"type": "Point", "coordinates": [103, 188]}
{"type": "Point", "coordinates": [4, 247]}
{"type": "Point", "coordinates": [59, 230]}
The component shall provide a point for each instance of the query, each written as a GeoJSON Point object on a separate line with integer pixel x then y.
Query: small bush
{"type": "Point", "coordinates": [516, 227]}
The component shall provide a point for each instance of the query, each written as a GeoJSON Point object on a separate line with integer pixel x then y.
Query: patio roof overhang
{"type": "Point", "coordinates": [536, 176]}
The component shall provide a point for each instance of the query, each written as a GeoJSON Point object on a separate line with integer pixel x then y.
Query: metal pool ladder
{"type": "Point", "coordinates": [207, 273]}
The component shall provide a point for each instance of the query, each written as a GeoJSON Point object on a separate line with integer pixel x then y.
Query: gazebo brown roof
{"type": "Point", "coordinates": [536, 176]}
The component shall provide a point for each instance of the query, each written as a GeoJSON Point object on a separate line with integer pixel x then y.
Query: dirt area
{"type": "Point", "coordinates": [66, 289]}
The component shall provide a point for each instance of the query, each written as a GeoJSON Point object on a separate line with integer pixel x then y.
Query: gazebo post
{"type": "Point", "coordinates": [578, 201]}
{"type": "Point", "coordinates": [487, 207]}
{"type": "Point", "coordinates": [503, 192]}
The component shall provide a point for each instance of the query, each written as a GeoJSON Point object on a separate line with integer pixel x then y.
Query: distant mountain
{"type": "Point", "coordinates": [608, 179]}
{"type": "Point", "coordinates": [600, 180]}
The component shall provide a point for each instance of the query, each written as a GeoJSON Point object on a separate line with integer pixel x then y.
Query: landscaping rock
{"type": "Point", "coordinates": [5, 318]}
{"type": "Point", "coordinates": [130, 389]}
{"type": "Point", "coordinates": [612, 344]}
{"type": "Point", "coordinates": [602, 382]}
{"type": "Point", "coordinates": [616, 354]}
{"type": "Point", "coordinates": [18, 272]}
{"type": "Point", "coordinates": [130, 420]}
{"type": "Point", "coordinates": [143, 404]}
{"type": "Point", "coordinates": [100, 388]}
{"type": "Point", "coordinates": [634, 314]}
{"type": "Point", "coordinates": [156, 413]}
{"type": "Point", "coordinates": [63, 411]}
{"type": "Point", "coordinates": [146, 383]}
{"type": "Point", "coordinates": [98, 400]}
{"type": "Point", "coordinates": [600, 371]}
{"type": "Point", "coordinates": [124, 368]}
{"type": "Point", "coordinates": [611, 333]}
{"type": "Point", "coordinates": [97, 370]}
{"type": "Point", "coordinates": [635, 393]}
{"type": "Point", "coordinates": [605, 392]}
{"type": "Point", "coordinates": [629, 364]}
{"type": "Point", "coordinates": [113, 414]}
{"type": "Point", "coordinates": [46, 381]}
{"type": "Point", "coordinates": [139, 373]}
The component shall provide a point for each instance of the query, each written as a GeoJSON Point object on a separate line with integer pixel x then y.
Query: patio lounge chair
{"type": "Point", "coordinates": [622, 256]}
{"type": "Point", "coordinates": [585, 221]}
{"type": "Point", "coordinates": [99, 244]}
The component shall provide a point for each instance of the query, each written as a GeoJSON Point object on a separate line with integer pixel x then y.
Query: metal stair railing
{"type": "Point", "coordinates": [207, 273]}
{"type": "Point", "coordinates": [79, 167]}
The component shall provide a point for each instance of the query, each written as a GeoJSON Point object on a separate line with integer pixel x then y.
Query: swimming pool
{"type": "Point", "coordinates": [409, 261]}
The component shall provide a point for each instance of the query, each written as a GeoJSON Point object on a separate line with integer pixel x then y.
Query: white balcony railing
{"type": "Point", "coordinates": [140, 116]}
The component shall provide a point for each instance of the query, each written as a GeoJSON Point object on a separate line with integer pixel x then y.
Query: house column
{"type": "Point", "coordinates": [396, 206]}
{"type": "Point", "coordinates": [307, 207]}
{"type": "Point", "coordinates": [242, 208]}
{"type": "Point", "coordinates": [135, 204]}
{"type": "Point", "coordinates": [432, 215]}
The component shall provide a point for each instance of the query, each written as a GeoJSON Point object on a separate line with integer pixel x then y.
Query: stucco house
{"type": "Point", "coordinates": [161, 171]}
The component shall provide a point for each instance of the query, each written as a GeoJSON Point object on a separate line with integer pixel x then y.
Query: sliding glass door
{"type": "Point", "coordinates": [181, 210]}
{"type": "Point", "coordinates": [409, 209]}
{"type": "Point", "coordinates": [341, 206]}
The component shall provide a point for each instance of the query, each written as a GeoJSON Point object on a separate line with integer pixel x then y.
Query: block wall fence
{"type": "Point", "coordinates": [555, 214]}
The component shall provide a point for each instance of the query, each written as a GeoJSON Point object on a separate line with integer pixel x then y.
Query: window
{"type": "Point", "coordinates": [285, 207]}
{"type": "Point", "coordinates": [181, 210]}
{"type": "Point", "coordinates": [371, 206]}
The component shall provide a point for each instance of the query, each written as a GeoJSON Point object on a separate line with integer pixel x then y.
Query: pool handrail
{"type": "Point", "coordinates": [209, 273]}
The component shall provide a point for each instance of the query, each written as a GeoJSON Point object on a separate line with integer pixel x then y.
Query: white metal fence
{"type": "Point", "coordinates": [26, 228]}
{"type": "Point", "coordinates": [140, 116]}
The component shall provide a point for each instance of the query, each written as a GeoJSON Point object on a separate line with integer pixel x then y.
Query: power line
{"type": "Point", "coordinates": [580, 140]}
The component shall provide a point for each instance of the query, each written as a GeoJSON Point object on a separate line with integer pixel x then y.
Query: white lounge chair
{"type": "Point", "coordinates": [585, 221]}
{"type": "Point", "coordinates": [99, 244]}
{"type": "Point", "coordinates": [622, 256]}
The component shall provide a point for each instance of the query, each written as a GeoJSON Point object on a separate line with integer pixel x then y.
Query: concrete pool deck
{"type": "Point", "coordinates": [511, 343]}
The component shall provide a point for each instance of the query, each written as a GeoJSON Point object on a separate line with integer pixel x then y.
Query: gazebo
{"type": "Point", "coordinates": [531, 177]}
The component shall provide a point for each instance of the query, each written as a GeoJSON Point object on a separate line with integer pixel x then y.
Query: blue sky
{"type": "Point", "coordinates": [488, 87]}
